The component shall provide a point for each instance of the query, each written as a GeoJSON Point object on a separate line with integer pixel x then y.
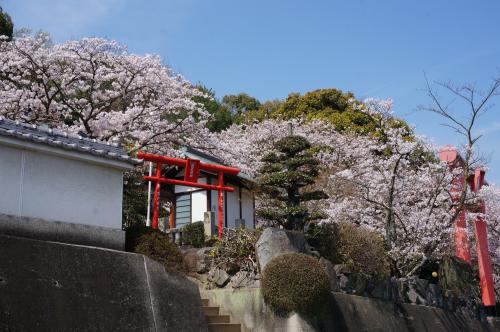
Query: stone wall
{"type": "Point", "coordinates": [47, 286]}
{"type": "Point", "coordinates": [343, 313]}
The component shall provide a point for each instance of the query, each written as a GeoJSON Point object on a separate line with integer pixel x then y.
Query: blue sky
{"type": "Point", "coordinates": [271, 48]}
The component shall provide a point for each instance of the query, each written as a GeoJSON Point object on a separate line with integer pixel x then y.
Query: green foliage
{"type": "Point", "coordinates": [363, 251]}
{"type": "Point", "coordinates": [235, 251]}
{"type": "Point", "coordinates": [285, 173]}
{"type": "Point", "coordinates": [220, 115]}
{"type": "Point", "coordinates": [194, 234]}
{"type": "Point", "coordinates": [6, 25]}
{"type": "Point", "coordinates": [155, 245]}
{"type": "Point", "coordinates": [295, 282]}
{"type": "Point", "coordinates": [240, 104]}
{"type": "Point", "coordinates": [332, 105]}
{"type": "Point", "coordinates": [267, 110]}
{"type": "Point", "coordinates": [134, 198]}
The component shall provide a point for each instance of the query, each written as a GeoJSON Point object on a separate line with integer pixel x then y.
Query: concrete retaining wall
{"type": "Point", "coordinates": [57, 231]}
{"type": "Point", "coordinates": [343, 313]}
{"type": "Point", "coordinates": [46, 286]}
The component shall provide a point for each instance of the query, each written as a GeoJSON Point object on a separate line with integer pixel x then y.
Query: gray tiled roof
{"type": "Point", "coordinates": [63, 140]}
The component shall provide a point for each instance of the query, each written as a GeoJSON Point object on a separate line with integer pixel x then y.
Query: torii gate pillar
{"type": "Point", "coordinates": [450, 155]}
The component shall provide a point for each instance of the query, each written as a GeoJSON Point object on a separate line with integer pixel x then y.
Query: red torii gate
{"type": "Point", "coordinates": [462, 247]}
{"type": "Point", "coordinates": [191, 171]}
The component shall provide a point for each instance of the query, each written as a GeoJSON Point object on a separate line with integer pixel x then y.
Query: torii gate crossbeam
{"type": "Point", "coordinates": [191, 170]}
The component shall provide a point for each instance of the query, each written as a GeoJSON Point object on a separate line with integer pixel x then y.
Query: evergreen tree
{"type": "Point", "coordinates": [6, 25]}
{"type": "Point", "coordinates": [285, 174]}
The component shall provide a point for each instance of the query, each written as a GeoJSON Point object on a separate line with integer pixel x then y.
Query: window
{"type": "Point", "coordinates": [182, 210]}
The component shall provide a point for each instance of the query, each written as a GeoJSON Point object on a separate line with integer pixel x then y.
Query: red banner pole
{"type": "Point", "coordinates": [156, 196]}
{"type": "Point", "coordinates": [450, 156]}
{"type": "Point", "coordinates": [220, 202]}
{"type": "Point", "coordinates": [483, 254]}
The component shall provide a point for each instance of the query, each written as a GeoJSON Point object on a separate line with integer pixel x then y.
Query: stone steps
{"type": "Point", "coordinates": [218, 322]}
{"type": "Point", "coordinates": [219, 319]}
{"type": "Point", "coordinates": [224, 327]}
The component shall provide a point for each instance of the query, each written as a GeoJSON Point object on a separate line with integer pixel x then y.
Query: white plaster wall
{"type": "Point", "coordinates": [233, 207]}
{"type": "Point", "coordinates": [247, 207]}
{"type": "Point", "coordinates": [198, 205]}
{"type": "Point", "coordinates": [39, 185]}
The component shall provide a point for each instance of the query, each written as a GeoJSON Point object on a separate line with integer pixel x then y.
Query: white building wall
{"type": "Point", "coordinates": [233, 208]}
{"type": "Point", "coordinates": [198, 205]}
{"type": "Point", "coordinates": [39, 185]}
{"type": "Point", "coordinates": [247, 206]}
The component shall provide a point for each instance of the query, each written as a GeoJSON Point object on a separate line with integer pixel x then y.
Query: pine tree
{"type": "Point", "coordinates": [6, 26]}
{"type": "Point", "coordinates": [285, 174]}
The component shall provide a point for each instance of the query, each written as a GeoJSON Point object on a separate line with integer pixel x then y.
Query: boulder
{"type": "Point", "coordinates": [330, 271]}
{"type": "Point", "coordinates": [380, 289]}
{"type": "Point", "coordinates": [274, 242]}
{"type": "Point", "coordinates": [244, 279]}
{"type": "Point", "coordinates": [219, 277]}
{"type": "Point", "coordinates": [417, 290]}
{"type": "Point", "coordinates": [203, 262]}
{"type": "Point", "coordinates": [435, 296]}
{"type": "Point", "coordinates": [399, 290]}
{"type": "Point", "coordinates": [197, 260]}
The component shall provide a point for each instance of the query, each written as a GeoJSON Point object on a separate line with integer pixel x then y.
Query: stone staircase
{"type": "Point", "coordinates": [218, 322]}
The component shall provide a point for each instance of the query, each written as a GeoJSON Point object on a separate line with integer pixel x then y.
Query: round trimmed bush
{"type": "Point", "coordinates": [295, 282]}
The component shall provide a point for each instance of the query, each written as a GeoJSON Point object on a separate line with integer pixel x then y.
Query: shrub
{"type": "Point", "coordinates": [194, 234]}
{"type": "Point", "coordinates": [325, 238]}
{"type": "Point", "coordinates": [235, 251]}
{"type": "Point", "coordinates": [295, 282]}
{"type": "Point", "coordinates": [155, 245]}
{"type": "Point", "coordinates": [363, 251]}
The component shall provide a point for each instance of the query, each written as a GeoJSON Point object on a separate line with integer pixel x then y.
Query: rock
{"type": "Point", "coordinates": [274, 242]}
{"type": "Point", "coordinates": [315, 253]}
{"type": "Point", "coordinates": [197, 259]}
{"type": "Point", "coordinates": [219, 277]}
{"type": "Point", "coordinates": [360, 285]}
{"type": "Point", "coordinates": [342, 269]}
{"type": "Point", "coordinates": [334, 284]}
{"type": "Point", "coordinates": [343, 282]}
{"type": "Point", "coordinates": [203, 262]}
{"type": "Point", "coordinates": [399, 290]}
{"type": "Point", "coordinates": [190, 258]}
{"type": "Point", "coordinates": [458, 284]}
{"type": "Point", "coordinates": [380, 289]}
{"type": "Point", "coordinates": [244, 279]}
{"type": "Point", "coordinates": [435, 296]}
{"type": "Point", "coordinates": [417, 290]}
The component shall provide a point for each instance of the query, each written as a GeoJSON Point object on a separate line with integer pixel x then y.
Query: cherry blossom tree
{"type": "Point", "coordinates": [391, 182]}
{"type": "Point", "coordinates": [95, 88]}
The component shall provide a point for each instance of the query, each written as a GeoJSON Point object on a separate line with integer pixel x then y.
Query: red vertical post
{"type": "Point", "coordinates": [156, 196]}
{"type": "Point", "coordinates": [450, 155]}
{"type": "Point", "coordinates": [483, 254]}
{"type": "Point", "coordinates": [220, 202]}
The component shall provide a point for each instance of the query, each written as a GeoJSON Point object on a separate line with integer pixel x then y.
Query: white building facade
{"type": "Point", "coordinates": [55, 177]}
